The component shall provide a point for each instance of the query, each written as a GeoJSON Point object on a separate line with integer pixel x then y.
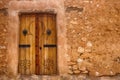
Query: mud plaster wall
{"type": "Point", "coordinates": [3, 42]}
{"type": "Point", "coordinates": [93, 35]}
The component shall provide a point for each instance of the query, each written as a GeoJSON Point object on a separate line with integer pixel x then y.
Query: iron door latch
{"type": "Point", "coordinates": [50, 45]}
{"type": "Point", "coordinates": [24, 46]}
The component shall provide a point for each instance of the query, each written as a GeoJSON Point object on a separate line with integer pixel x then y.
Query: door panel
{"type": "Point", "coordinates": [48, 61]}
{"type": "Point", "coordinates": [38, 37]}
{"type": "Point", "coordinates": [27, 37]}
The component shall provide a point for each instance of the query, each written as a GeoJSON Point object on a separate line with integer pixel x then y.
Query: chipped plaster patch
{"type": "Point", "coordinates": [2, 47]}
{"type": "Point", "coordinates": [97, 5]}
{"type": "Point", "coordinates": [91, 2]}
{"type": "Point", "coordinates": [111, 72]}
{"type": "Point", "coordinates": [86, 1]}
{"type": "Point", "coordinates": [73, 22]}
{"type": "Point", "coordinates": [88, 50]}
{"type": "Point", "coordinates": [81, 49]}
{"type": "Point", "coordinates": [89, 44]}
{"type": "Point", "coordinates": [97, 73]}
{"type": "Point", "coordinates": [84, 39]}
{"type": "Point", "coordinates": [67, 57]}
{"type": "Point", "coordinates": [79, 60]}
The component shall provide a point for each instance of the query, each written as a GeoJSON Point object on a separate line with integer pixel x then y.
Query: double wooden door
{"type": "Point", "coordinates": [37, 44]}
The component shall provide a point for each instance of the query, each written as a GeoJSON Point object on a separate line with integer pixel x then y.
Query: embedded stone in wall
{"type": "Point", "coordinates": [89, 44]}
{"type": "Point", "coordinates": [81, 50]}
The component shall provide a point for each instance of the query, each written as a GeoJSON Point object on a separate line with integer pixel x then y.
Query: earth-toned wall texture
{"type": "Point", "coordinates": [93, 33]}
{"type": "Point", "coordinates": [3, 41]}
{"type": "Point", "coordinates": [93, 39]}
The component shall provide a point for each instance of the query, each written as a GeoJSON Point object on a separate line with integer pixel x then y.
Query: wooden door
{"type": "Point", "coordinates": [38, 44]}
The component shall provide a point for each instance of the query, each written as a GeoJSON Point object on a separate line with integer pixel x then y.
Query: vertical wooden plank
{"type": "Point", "coordinates": [55, 48]}
{"type": "Point", "coordinates": [27, 60]}
{"type": "Point", "coordinates": [32, 43]}
{"type": "Point", "coordinates": [49, 41]}
{"type": "Point", "coordinates": [40, 25]}
{"type": "Point", "coordinates": [30, 28]}
{"type": "Point", "coordinates": [20, 33]}
{"type": "Point", "coordinates": [20, 58]}
{"type": "Point", "coordinates": [45, 50]}
{"type": "Point", "coordinates": [37, 45]}
{"type": "Point", "coordinates": [33, 48]}
{"type": "Point", "coordinates": [52, 40]}
{"type": "Point", "coordinates": [22, 40]}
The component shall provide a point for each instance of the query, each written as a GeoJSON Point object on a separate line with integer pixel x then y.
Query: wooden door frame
{"type": "Point", "coordinates": [36, 24]}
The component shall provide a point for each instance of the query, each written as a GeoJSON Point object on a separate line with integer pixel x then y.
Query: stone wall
{"type": "Point", "coordinates": [3, 41]}
{"type": "Point", "coordinates": [93, 39]}
{"type": "Point", "coordinates": [93, 33]}
{"type": "Point", "coordinates": [4, 3]}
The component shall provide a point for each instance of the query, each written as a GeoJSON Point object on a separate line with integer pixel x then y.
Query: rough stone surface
{"type": "Point", "coordinates": [3, 41]}
{"type": "Point", "coordinates": [93, 35]}
{"type": "Point", "coordinates": [3, 3]}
